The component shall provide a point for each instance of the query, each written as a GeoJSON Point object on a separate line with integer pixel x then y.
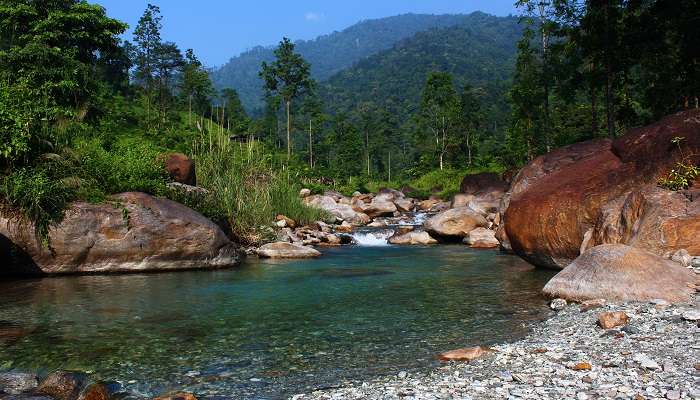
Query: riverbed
{"type": "Point", "coordinates": [270, 329]}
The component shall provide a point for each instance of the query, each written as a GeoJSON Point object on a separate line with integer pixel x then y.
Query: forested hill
{"type": "Point", "coordinates": [480, 53]}
{"type": "Point", "coordinates": [334, 52]}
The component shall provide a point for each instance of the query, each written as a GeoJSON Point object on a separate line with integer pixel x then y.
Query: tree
{"type": "Point", "coordinates": [439, 109]}
{"type": "Point", "coordinates": [289, 78]}
{"type": "Point", "coordinates": [312, 109]}
{"type": "Point", "coordinates": [238, 119]}
{"type": "Point", "coordinates": [168, 60]}
{"type": "Point", "coordinates": [195, 85]}
{"type": "Point", "coordinates": [148, 43]}
{"type": "Point", "coordinates": [469, 118]}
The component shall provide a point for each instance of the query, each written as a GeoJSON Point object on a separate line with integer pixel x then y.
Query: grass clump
{"type": "Point", "coordinates": [248, 189]}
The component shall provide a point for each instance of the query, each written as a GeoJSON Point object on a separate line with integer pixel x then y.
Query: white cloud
{"type": "Point", "coordinates": [313, 16]}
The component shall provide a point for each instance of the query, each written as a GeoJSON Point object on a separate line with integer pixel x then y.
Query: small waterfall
{"type": "Point", "coordinates": [372, 238]}
{"type": "Point", "coordinates": [417, 219]}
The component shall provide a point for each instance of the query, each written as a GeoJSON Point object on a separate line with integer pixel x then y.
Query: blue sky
{"type": "Point", "coordinates": [220, 29]}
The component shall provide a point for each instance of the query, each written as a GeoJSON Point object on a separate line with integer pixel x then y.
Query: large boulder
{"type": "Point", "coordinates": [412, 238]}
{"type": "Point", "coordinates": [181, 169]}
{"type": "Point", "coordinates": [481, 238]}
{"type": "Point", "coordinates": [650, 218]}
{"type": "Point", "coordinates": [286, 250]}
{"type": "Point", "coordinates": [455, 222]}
{"type": "Point", "coordinates": [381, 206]}
{"type": "Point", "coordinates": [131, 232]}
{"type": "Point", "coordinates": [622, 273]}
{"type": "Point", "coordinates": [343, 212]}
{"type": "Point", "coordinates": [556, 200]}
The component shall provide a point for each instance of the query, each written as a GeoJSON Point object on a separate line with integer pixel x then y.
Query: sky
{"type": "Point", "coordinates": [220, 29]}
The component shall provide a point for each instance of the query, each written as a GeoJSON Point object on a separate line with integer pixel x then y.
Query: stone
{"type": "Point", "coordinates": [412, 238]}
{"type": "Point", "coordinates": [559, 196]}
{"type": "Point", "coordinates": [95, 391]}
{"type": "Point", "coordinates": [609, 320]}
{"type": "Point", "coordinates": [621, 273]}
{"type": "Point", "coordinates": [17, 382]}
{"type": "Point", "coordinates": [287, 221]}
{"type": "Point", "coordinates": [427, 205]}
{"type": "Point", "coordinates": [645, 362]}
{"type": "Point", "coordinates": [582, 366]}
{"type": "Point", "coordinates": [485, 206]}
{"type": "Point", "coordinates": [691, 315]}
{"type": "Point", "coordinates": [131, 232]}
{"type": "Point", "coordinates": [682, 257]}
{"type": "Point", "coordinates": [343, 212]}
{"type": "Point", "coordinates": [380, 207]}
{"type": "Point", "coordinates": [181, 169]}
{"type": "Point", "coordinates": [673, 395]}
{"type": "Point", "coordinates": [557, 304]}
{"type": "Point", "coordinates": [63, 385]}
{"type": "Point", "coordinates": [177, 396]}
{"type": "Point", "coordinates": [695, 262]}
{"type": "Point", "coordinates": [455, 222]}
{"type": "Point", "coordinates": [481, 238]}
{"type": "Point", "coordinates": [465, 354]}
{"type": "Point", "coordinates": [345, 227]}
{"type": "Point", "coordinates": [461, 200]}
{"type": "Point", "coordinates": [303, 193]}
{"type": "Point", "coordinates": [286, 250]}
{"type": "Point", "coordinates": [592, 304]}
{"type": "Point", "coordinates": [404, 205]}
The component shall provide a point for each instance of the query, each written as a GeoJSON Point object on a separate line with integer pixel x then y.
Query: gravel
{"type": "Point", "coordinates": [656, 356]}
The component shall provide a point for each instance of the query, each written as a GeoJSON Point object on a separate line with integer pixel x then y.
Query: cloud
{"type": "Point", "coordinates": [313, 16]}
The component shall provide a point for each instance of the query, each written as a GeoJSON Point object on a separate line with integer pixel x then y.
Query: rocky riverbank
{"type": "Point", "coordinates": [655, 355]}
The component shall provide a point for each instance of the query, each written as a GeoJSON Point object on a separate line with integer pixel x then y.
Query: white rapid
{"type": "Point", "coordinates": [372, 238]}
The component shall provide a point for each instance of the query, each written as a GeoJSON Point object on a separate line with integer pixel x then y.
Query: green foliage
{"type": "Point", "coordinates": [683, 175]}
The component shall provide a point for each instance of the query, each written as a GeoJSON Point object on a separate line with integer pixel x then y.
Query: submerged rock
{"type": "Point", "coordinates": [619, 272]}
{"type": "Point", "coordinates": [286, 250]}
{"type": "Point", "coordinates": [131, 232]}
{"type": "Point", "coordinates": [465, 354]}
{"type": "Point", "coordinates": [63, 385]}
{"type": "Point", "coordinates": [17, 382]}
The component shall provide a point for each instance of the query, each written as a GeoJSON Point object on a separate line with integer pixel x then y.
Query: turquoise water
{"type": "Point", "coordinates": [271, 329]}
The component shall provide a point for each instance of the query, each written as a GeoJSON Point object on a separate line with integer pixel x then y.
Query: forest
{"type": "Point", "coordinates": [85, 114]}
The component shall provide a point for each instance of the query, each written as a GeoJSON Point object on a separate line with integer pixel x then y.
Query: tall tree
{"type": "Point", "coordinates": [439, 111]}
{"type": "Point", "coordinates": [195, 86]}
{"type": "Point", "coordinates": [289, 78]}
{"type": "Point", "coordinates": [237, 120]}
{"type": "Point", "coordinates": [148, 42]}
{"type": "Point", "coordinates": [470, 118]}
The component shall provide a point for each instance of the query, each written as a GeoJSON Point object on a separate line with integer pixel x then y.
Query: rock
{"type": "Point", "coordinates": [645, 362]}
{"type": "Point", "coordinates": [682, 257]}
{"type": "Point", "coordinates": [281, 224]}
{"type": "Point", "coordinates": [380, 207]}
{"type": "Point", "coordinates": [557, 304]}
{"type": "Point", "coordinates": [303, 193]}
{"type": "Point", "coordinates": [345, 227]}
{"type": "Point", "coordinates": [483, 182]}
{"type": "Point", "coordinates": [609, 320]}
{"type": "Point", "coordinates": [465, 354]}
{"type": "Point", "coordinates": [63, 385]}
{"type": "Point", "coordinates": [427, 205]}
{"type": "Point", "coordinates": [695, 262]}
{"type": "Point", "coordinates": [673, 395]}
{"type": "Point", "coordinates": [286, 250]}
{"type": "Point", "coordinates": [404, 205]}
{"type": "Point", "coordinates": [558, 197]}
{"type": "Point", "coordinates": [95, 391]}
{"type": "Point", "coordinates": [691, 315]}
{"type": "Point", "coordinates": [461, 200]}
{"type": "Point", "coordinates": [484, 206]}
{"type": "Point", "coordinates": [343, 212]}
{"type": "Point", "coordinates": [651, 218]}
{"type": "Point", "coordinates": [287, 221]}
{"type": "Point", "coordinates": [177, 396]}
{"type": "Point", "coordinates": [592, 304]}
{"type": "Point", "coordinates": [187, 190]}
{"type": "Point", "coordinates": [582, 366]}
{"type": "Point", "coordinates": [181, 169]}
{"type": "Point", "coordinates": [413, 238]}
{"type": "Point", "coordinates": [481, 238]}
{"type": "Point", "coordinates": [619, 272]}
{"type": "Point", "coordinates": [131, 232]}
{"type": "Point", "coordinates": [17, 382]}
{"type": "Point", "coordinates": [455, 222]}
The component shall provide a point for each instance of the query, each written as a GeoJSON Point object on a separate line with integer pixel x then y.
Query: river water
{"type": "Point", "coordinates": [270, 329]}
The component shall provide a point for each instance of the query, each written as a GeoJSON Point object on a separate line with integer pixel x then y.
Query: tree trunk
{"type": "Point", "coordinates": [609, 100]}
{"type": "Point", "coordinates": [545, 76]}
{"type": "Point", "coordinates": [311, 148]}
{"type": "Point", "coordinates": [594, 105]}
{"type": "Point", "coordinates": [289, 130]}
{"type": "Point", "coordinates": [367, 148]}
{"type": "Point", "coordinates": [469, 149]}
{"type": "Point", "coordinates": [189, 119]}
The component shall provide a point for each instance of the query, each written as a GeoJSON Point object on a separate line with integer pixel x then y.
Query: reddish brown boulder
{"type": "Point", "coordinates": [133, 232]}
{"type": "Point", "coordinates": [609, 320]}
{"type": "Point", "coordinates": [181, 169]}
{"type": "Point", "coordinates": [622, 273]}
{"type": "Point", "coordinates": [650, 218]}
{"type": "Point", "coordinates": [465, 354]}
{"type": "Point", "coordinates": [556, 199]}
{"type": "Point", "coordinates": [62, 385]}
{"type": "Point", "coordinates": [177, 396]}
{"type": "Point", "coordinates": [455, 222]}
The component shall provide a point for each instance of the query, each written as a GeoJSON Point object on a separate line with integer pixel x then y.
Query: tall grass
{"type": "Point", "coordinates": [249, 186]}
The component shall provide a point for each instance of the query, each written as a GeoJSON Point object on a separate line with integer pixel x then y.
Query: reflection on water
{"type": "Point", "coordinates": [271, 329]}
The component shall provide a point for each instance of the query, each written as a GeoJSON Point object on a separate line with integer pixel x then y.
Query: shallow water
{"type": "Point", "coordinates": [271, 329]}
